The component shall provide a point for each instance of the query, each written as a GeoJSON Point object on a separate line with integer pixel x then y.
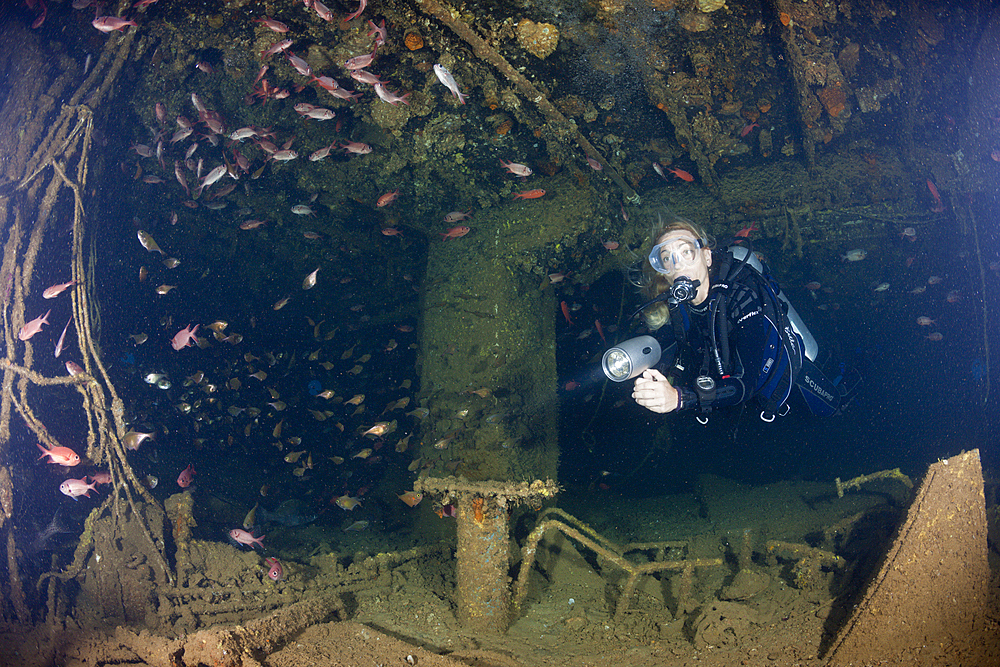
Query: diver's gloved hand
{"type": "Point", "coordinates": [653, 392]}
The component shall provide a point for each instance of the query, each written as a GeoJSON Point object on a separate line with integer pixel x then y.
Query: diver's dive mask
{"type": "Point", "coordinates": [675, 255]}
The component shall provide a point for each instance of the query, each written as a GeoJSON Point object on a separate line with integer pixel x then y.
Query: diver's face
{"type": "Point", "coordinates": [679, 254]}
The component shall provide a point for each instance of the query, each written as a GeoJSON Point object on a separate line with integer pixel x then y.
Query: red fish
{"type": "Point", "coordinates": [33, 327]}
{"type": "Point", "coordinates": [387, 95]}
{"type": "Point", "coordinates": [378, 32]}
{"type": "Point", "coordinates": [387, 198]}
{"type": "Point", "coordinates": [600, 330]}
{"type": "Point", "coordinates": [360, 62]}
{"type": "Point", "coordinates": [275, 572]}
{"type": "Point", "coordinates": [356, 147]}
{"type": "Point", "coordinates": [243, 537]}
{"type": "Point", "coordinates": [101, 477]}
{"type": "Point", "coordinates": [745, 232]}
{"type": "Point", "coordinates": [185, 478]}
{"type": "Point", "coordinates": [938, 204]}
{"type": "Point", "coordinates": [354, 15]}
{"type": "Point", "coordinates": [184, 337]}
{"type": "Point", "coordinates": [456, 232]}
{"type": "Point", "coordinates": [63, 456]}
{"type": "Point", "coordinates": [516, 169]}
{"type": "Point", "coordinates": [747, 129]}
{"type": "Point", "coordinates": [40, 6]}
{"type": "Point", "coordinates": [300, 65]}
{"type": "Point", "coordinates": [111, 23]}
{"type": "Point", "coordinates": [56, 290]}
{"type": "Point", "coordinates": [276, 48]}
{"type": "Point", "coordinates": [77, 487]}
{"type": "Point", "coordinates": [276, 26]}
{"type": "Point", "coordinates": [457, 216]}
{"type": "Point", "coordinates": [530, 194]}
{"type": "Point", "coordinates": [322, 11]}
{"type": "Point", "coordinates": [681, 174]}
{"type": "Point", "coordinates": [565, 312]}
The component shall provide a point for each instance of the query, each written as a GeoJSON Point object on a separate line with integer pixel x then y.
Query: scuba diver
{"type": "Point", "coordinates": [735, 335]}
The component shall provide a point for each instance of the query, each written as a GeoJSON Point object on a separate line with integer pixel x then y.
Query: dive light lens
{"type": "Point", "coordinates": [630, 358]}
{"type": "Point", "coordinates": [617, 364]}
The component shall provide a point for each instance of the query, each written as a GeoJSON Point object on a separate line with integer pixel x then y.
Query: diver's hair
{"type": "Point", "coordinates": [653, 284]}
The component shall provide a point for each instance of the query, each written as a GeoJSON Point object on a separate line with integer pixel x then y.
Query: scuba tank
{"type": "Point", "coordinates": [809, 346]}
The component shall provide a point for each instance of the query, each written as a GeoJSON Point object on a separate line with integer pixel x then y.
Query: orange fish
{"type": "Point", "coordinates": [565, 312]}
{"type": "Point", "coordinates": [529, 194]}
{"type": "Point", "coordinates": [456, 232]}
{"type": "Point", "coordinates": [387, 198]}
{"type": "Point", "coordinates": [64, 456]}
{"type": "Point", "coordinates": [681, 174]}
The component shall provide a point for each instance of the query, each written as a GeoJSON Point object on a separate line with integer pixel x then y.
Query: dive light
{"type": "Point", "coordinates": [630, 358]}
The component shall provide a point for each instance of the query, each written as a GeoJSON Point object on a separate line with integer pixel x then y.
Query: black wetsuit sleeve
{"type": "Point", "coordinates": [748, 347]}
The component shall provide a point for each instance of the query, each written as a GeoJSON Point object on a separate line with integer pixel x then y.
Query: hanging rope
{"type": "Point", "coordinates": [49, 158]}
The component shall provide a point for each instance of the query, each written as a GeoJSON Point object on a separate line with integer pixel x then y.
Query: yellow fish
{"type": "Point", "coordinates": [347, 503]}
{"type": "Point", "coordinates": [250, 520]}
{"type": "Point", "coordinates": [411, 498]}
{"type": "Point", "coordinates": [357, 526]}
{"type": "Point", "coordinates": [381, 428]}
{"type": "Point", "coordinates": [148, 243]}
{"type": "Point", "coordinates": [292, 457]}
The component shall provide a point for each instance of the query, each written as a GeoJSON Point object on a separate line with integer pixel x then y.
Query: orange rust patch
{"type": "Point", "coordinates": [834, 100]}
{"type": "Point", "coordinates": [413, 41]}
{"type": "Point", "coordinates": [477, 510]}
